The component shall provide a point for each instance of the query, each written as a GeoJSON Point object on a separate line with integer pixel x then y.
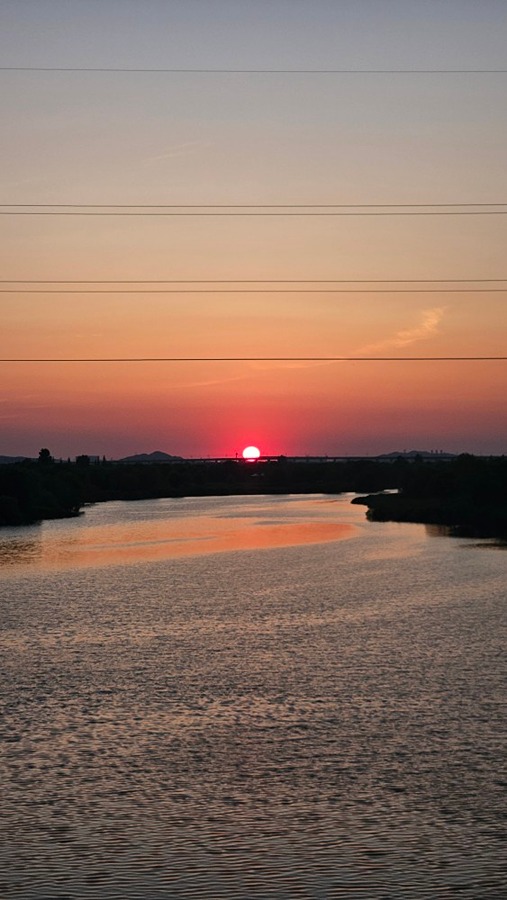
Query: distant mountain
{"type": "Point", "coordinates": [6, 460]}
{"type": "Point", "coordinates": [411, 454]}
{"type": "Point", "coordinates": [158, 456]}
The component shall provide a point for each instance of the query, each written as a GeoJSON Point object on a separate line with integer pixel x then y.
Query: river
{"type": "Point", "coordinates": [251, 697]}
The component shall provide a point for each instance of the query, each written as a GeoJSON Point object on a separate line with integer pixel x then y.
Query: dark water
{"type": "Point", "coordinates": [308, 721]}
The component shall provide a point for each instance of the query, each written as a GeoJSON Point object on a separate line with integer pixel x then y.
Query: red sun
{"type": "Point", "coordinates": [250, 453]}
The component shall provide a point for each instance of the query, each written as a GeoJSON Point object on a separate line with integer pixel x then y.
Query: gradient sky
{"type": "Point", "coordinates": [190, 138]}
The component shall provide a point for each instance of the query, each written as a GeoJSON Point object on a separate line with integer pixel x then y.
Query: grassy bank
{"type": "Point", "coordinates": [468, 494]}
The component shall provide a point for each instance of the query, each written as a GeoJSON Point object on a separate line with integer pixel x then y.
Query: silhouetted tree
{"type": "Point", "coordinates": [45, 456]}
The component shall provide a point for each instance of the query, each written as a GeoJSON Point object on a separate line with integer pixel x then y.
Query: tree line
{"type": "Point", "coordinates": [467, 493]}
{"type": "Point", "coordinates": [31, 491]}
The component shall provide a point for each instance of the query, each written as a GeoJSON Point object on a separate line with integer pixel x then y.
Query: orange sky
{"type": "Point", "coordinates": [194, 139]}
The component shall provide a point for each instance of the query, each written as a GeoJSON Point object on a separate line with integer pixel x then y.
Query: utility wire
{"type": "Point", "coordinates": [100, 206]}
{"type": "Point", "coordinates": [305, 213]}
{"type": "Point", "coordinates": [186, 359]}
{"type": "Point", "coordinates": [260, 291]}
{"type": "Point", "coordinates": [253, 209]}
{"type": "Point", "coordinates": [184, 71]}
{"type": "Point", "coordinates": [254, 281]}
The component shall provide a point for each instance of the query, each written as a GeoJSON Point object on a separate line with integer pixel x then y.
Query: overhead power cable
{"type": "Point", "coordinates": [254, 209]}
{"type": "Point", "coordinates": [296, 71]}
{"type": "Point", "coordinates": [100, 206]}
{"type": "Point", "coordinates": [253, 281]}
{"type": "Point", "coordinates": [123, 291]}
{"type": "Point", "coordinates": [299, 214]}
{"type": "Point", "coordinates": [190, 359]}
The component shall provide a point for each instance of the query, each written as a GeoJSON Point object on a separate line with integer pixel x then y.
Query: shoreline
{"type": "Point", "coordinates": [461, 519]}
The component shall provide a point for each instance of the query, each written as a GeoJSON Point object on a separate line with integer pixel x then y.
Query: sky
{"type": "Point", "coordinates": [203, 139]}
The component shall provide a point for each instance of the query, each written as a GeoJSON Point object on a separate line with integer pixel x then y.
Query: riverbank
{"type": "Point", "coordinates": [469, 496]}
{"type": "Point", "coordinates": [34, 491]}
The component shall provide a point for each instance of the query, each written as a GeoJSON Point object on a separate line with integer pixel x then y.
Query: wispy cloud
{"type": "Point", "coordinates": [212, 382]}
{"type": "Point", "coordinates": [184, 149]}
{"type": "Point", "coordinates": [16, 398]}
{"type": "Point", "coordinates": [269, 365]}
{"type": "Point", "coordinates": [428, 327]}
{"type": "Point", "coordinates": [254, 368]}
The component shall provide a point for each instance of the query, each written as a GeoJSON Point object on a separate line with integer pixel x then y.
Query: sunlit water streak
{"type": "Point", "coordinates": [320, 719]}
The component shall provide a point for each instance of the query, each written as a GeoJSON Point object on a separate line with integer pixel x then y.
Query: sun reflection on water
{"type": "Point", "coordinates": [175, 535]}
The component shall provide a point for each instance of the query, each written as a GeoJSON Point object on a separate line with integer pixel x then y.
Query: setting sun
{"type": "Point", "coordinates": [250, 453]}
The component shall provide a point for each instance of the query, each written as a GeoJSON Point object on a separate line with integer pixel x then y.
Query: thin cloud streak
{"type": "Point", "coordinates": [213, 382]}
{"type": "Point", "coordinates": [183, 149]}
{"type": "Point", "coordinates": [427, 328]}
{"type": "Point", "coordinates": [268, 366]}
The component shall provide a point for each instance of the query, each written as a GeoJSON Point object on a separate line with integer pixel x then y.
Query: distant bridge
{"type": "Point", "coordinates": [270, 459]}
{"type": "Point", "coordinates": [428, 456]}
{"type": "Point", "coordinates": [433, 457]}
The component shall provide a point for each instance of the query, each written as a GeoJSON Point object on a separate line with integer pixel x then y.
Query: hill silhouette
{"type": "Point", "coordinates": [158, 456]}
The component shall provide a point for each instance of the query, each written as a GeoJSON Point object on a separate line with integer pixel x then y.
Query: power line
{"type": "Point", "coordinates": [260, 291]}
{"type": "Point", "coordinates": [193, 71]}
{"type": "Point", "coordinates": [304, 213]}
{"type": "Point", "coordinates": [253, 209]}
{"type": "Point", "coordinates": [127, 206]}
{"type": "Point", "coordinates": [253, 281]}
{"type": "Point", "coordinates": [187, 359]}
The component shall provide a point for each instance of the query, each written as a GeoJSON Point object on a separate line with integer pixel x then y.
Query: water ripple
{"type": "Point", "coordinates": [315, 722]}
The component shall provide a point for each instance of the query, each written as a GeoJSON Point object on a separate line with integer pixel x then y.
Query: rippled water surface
{"type": "Point", "coordinates": [261, 697]}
